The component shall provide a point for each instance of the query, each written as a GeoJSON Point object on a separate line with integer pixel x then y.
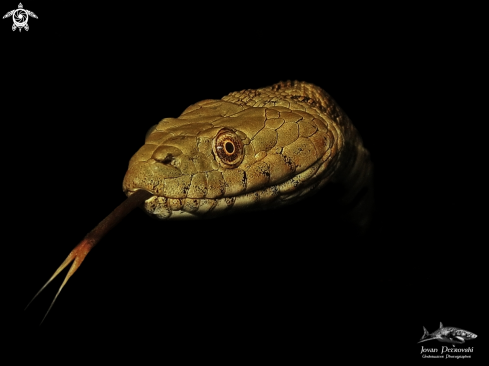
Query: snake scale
{"type": "Point", "coordinates": [252, 149]}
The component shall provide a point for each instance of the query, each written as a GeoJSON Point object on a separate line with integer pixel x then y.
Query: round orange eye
{"type": "Point", "coordinates": [228, 148]}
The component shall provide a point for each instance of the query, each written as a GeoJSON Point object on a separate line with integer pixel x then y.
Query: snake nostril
{"type": "Point", "coordinates": [167, 159]}
{"type": "Point", "coordinates": [166, 155]}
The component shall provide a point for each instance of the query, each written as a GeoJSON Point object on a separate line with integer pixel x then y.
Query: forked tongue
{"type": "Point", "coordinates": [78, 254]}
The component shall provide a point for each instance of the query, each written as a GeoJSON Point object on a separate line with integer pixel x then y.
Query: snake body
{"type": "Point", "coordinates": [252, 149]}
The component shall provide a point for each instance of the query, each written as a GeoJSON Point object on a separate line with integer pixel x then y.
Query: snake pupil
{"type": "Point", "coordinates": [229, 147]}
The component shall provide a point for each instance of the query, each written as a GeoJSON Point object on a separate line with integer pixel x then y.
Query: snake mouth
{"type": "Point", "coordinates": [207, 195]}
{"type": "Point", "coordinates": [165, 207]}
{"type": "Point", "coordinates": [130, 192]}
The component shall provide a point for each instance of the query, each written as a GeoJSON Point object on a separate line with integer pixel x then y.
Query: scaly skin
{"type": "Point", "coordinates": [254, 149]}
{"type": "Point", "coordinates": [294, 139]}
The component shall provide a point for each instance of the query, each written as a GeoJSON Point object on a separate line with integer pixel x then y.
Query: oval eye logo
{"type": "Point", "coordinates": [228, 148]}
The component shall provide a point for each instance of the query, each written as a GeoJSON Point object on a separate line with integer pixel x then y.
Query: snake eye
{"type": "Point", "coordinates": [228, 147]}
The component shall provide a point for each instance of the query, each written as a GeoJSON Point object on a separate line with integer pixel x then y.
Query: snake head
{"type": "Point", "coordinates": [252, 149]}
{"type": "Point", "coordinates": [223, 155]}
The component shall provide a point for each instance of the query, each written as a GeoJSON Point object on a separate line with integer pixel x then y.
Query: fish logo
{"type": "Point", "coordinates": [448, 334]}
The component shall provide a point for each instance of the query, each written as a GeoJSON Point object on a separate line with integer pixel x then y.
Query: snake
{"type": "Point", "coordinates": [253, 149]}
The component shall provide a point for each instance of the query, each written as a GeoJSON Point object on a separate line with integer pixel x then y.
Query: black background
{"type": "Point", "coordinates": [82, 87]}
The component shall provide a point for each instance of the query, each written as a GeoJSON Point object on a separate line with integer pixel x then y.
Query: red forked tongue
{"type": "Point", "coordinates": [78, 254]}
